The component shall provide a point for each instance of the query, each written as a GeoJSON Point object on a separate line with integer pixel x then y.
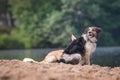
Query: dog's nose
{"type": "Point", "coordinates": [90, 32]}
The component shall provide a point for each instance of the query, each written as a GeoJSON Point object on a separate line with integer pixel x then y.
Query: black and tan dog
{"type": "Point", "coordinates": [79, 50]}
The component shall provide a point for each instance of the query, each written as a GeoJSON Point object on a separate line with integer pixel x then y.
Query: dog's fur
{"type": "Point", "coordinates": [53, 56]}
{"type": "Point", "coordinates": [79, 50]}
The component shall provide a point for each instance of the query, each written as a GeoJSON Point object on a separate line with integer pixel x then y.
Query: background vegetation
{"type": "Point", "coordinates": [50, 23]}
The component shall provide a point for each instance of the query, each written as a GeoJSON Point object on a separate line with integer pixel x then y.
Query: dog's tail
{"type": "Point", "coordinates": [28, 60]}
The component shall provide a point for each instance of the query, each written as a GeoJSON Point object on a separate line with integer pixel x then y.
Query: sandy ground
{"type": "Point", "coordinates": [18, 70]}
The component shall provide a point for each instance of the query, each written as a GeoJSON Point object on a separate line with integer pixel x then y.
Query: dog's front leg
{"type": "Point", "coordinates": [87, 59]}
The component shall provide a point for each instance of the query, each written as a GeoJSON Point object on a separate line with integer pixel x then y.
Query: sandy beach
{"type": "Point", "coordinates": [18, 70]}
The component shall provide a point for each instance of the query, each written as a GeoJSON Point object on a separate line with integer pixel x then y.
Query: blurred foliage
{"type": "Point", "coordinates": [8, 42]}
{"type": "Point", "coordinates": [42, 23]}
{"type": "Point", "coordinates": [49, 23]}
{"type": "Point", "coordinates": [3, 6]}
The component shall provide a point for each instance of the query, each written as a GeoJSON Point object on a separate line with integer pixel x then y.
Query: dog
{"type": "Point", "coordinates": [80, 49]}
{"type": "Point", "coordinates": [52, 57]}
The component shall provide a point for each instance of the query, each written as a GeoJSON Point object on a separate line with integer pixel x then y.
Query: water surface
{"type": "Point", "coordinates": [105, 56]}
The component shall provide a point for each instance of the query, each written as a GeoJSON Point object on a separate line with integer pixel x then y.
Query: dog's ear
{"type": "Point", "coordinates": [73, 37]}
{"type": "Point", "coordinates": [98, 29]}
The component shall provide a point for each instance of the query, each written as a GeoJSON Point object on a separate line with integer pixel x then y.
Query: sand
{"type": "Point", "coordinates": [18, 70]}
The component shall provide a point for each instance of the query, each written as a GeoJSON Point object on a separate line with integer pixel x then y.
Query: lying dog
{"type": "Point", "coordinates": [53, 56]}
{"type": "Point", "coordinates": [79, 50]}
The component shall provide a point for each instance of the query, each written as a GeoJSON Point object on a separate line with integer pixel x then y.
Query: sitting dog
{"type": "Point", "coordinates": [80, 49]}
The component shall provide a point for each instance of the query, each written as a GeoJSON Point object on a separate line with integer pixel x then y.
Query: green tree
{"type": "Point", "coordinates": [47, 23]}
{"type": "Point", "coordinates": [40, 23]}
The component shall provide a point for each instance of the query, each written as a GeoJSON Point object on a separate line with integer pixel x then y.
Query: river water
{"type": "Point", "coordinates": [104, 56]}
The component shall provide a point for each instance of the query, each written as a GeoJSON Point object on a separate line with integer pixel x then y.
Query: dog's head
{"type": "Point", "coordinates": [92, 33]}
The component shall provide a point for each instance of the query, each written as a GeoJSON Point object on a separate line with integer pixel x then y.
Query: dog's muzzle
{"type": "Point", "coordinates": [91, 34]}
